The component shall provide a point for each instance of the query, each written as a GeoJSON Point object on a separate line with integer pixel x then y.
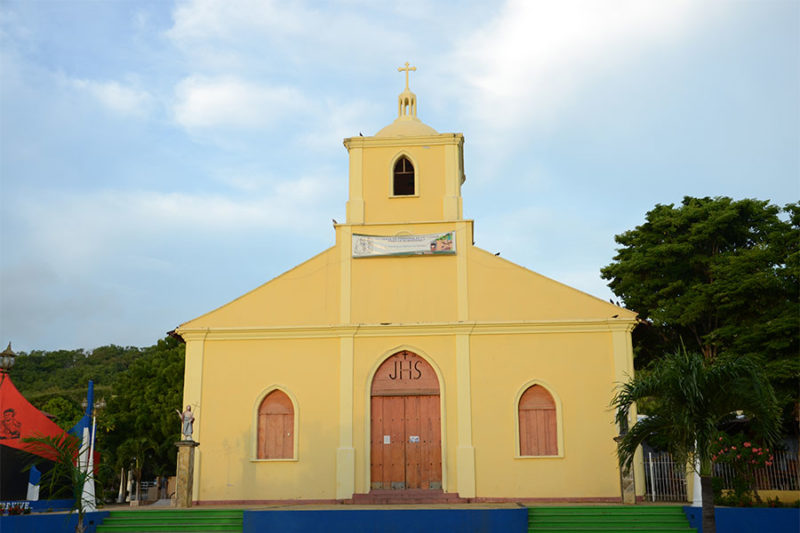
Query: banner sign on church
{"type": "Point", "coordinates": [429, 244]}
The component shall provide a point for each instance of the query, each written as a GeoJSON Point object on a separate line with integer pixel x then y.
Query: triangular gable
{"type": "Point", "coordinates": [500, 290]}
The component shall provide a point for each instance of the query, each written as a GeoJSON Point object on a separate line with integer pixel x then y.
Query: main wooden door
{"type": "Point", "coordinates": [406, 435]}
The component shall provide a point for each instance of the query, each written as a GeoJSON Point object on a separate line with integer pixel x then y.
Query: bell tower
{"type": "Point", "coordinates": [407, 172]}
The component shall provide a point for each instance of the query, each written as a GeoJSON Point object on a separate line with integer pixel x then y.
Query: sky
{"type": "Point", "coordinates": [161, 158]}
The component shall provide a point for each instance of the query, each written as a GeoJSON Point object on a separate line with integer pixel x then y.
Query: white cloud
{"type": "Point", "coordinates": [203, 19]}
{"type": "Point", "coordinates": [80, 229]}
{"type": "Point", "coordinates": [117, 97]}
{"type": "Point", "coordinates": [277, 36]}
{"type": "Point", "coordinates": [528, 63]}
{"type": "Point", "coordinates": [230, 102]}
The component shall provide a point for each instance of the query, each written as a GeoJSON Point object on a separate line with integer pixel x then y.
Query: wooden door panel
{"type": "Point", "coordinates": [431, 441]}
{"type": "Point", "coordinates": [423, 442]}
{"type": "Point", "coordinates": [413, 443]}
{"type": "Point", "coordinates": [376, 442]}
{"type": "Point", "coordinates": [538, 435]}
{"type": "Point", "coordinates": [394, 412]}
{"type": "Point", "coordinates": [287, 450]}
{"type": "Point", "coordinates": [261, 453]}
{"type": "Point", "coordinates": [387, 461]}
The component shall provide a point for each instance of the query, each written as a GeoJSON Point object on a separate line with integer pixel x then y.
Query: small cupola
{"type": "Point", "coordinates": [406, 124]}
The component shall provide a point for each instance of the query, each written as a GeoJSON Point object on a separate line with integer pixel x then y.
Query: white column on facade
{"type": "Point", "coordinates": [451, 207]}
{"type": "Point", "coordinates": [345, 264]}
{"type": "Point", "coordinates": [465, 454]}
{"type": "Point", "coordinates": [345, 453]}
{"type": "Point", "coordinates": [355, 204]}
{"type": "Point", "coordinates": [192, 394]}
{"type": "Point", "coordinates": [622, 347]}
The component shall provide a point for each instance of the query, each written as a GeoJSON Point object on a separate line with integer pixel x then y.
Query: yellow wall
{"type": "Point", "coordinates": [236, 374]}
{"type": "Point", "coordinates": [426, 205]}
{"type": "Point", "coordinates": [437, 161]}
{"type": "Point", "coordinates": [404, 290]}
{"type": "Point", "coordinates": [576, 369]}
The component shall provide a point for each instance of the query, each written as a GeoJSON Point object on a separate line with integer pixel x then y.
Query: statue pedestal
{"type": "Point", "coordinates": [185, 473]}
{"type": "Point", "coordinates": [626, 482]}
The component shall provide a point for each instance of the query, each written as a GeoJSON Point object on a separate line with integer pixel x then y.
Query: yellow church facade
{"type": "Point", "coordinates": [405, 359]}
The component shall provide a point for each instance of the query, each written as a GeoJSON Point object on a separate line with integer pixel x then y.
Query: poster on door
{"type": "Point", "coordinates": [427, 244]}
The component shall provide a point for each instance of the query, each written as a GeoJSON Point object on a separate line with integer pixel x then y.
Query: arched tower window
{"type": "Point", "coordinates": [538, 431]}
{"type": "Point", "coordinates": [276, 427]}
{"type": "Point", "coordinates": [403, 182]}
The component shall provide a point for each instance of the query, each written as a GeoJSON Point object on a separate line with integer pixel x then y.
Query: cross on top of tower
{"type": "Point", "coordinates": [407, 69]}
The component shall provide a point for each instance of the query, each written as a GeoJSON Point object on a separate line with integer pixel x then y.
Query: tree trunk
{"type": "Point", "coordinates": [709, 522]}
{"type": "Point", "coordinates": [80, 527]}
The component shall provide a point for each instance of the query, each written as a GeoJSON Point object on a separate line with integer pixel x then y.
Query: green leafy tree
{"type": "Point", "coordinates": [142, 408]}
{"type": "Point", "coordinates": [691, 397]}
{"type": "Point", "coordinates": [42, 376]}
{"type": "Point", "coordinates": [720, 276]}
{"type": "Point", "coordinates": [66, 412]}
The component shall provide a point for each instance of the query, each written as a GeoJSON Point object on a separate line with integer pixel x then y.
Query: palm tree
{"type": "Point", "coordinates": [690, 398]}
{"type": "Point", "coordinates": [137, 449]}
{"type": "Point", "coordinates": [66, 473]}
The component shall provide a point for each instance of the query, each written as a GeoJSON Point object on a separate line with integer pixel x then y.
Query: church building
{"type": "Point", "coordinates": [406, 360]}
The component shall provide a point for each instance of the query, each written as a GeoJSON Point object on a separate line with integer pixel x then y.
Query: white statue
{"type": "Point", "coordinates": [187, 418]}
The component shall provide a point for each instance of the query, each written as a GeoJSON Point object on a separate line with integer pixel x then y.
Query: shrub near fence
{"type": "Point", "coordinates": [780, 475]}
{"type": "Point", "coordinates": [666, 481]}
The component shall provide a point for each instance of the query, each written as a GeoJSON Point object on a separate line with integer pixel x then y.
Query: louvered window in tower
{"type": "Point", "coordinates": [403, 184]}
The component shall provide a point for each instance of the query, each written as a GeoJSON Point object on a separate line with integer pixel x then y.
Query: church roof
{"type": "Point", "coordinates": [406, 128]}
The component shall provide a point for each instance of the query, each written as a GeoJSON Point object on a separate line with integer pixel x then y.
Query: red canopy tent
{"type": "Point", "coordinates": [20, 419]}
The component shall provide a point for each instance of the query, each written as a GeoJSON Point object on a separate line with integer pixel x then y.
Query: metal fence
{"type": "Point", "coordinates": [780, 475]}
{"type": "Point", "coordinates": [666, 481]}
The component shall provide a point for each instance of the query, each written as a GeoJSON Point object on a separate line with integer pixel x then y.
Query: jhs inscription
{"type": "Point", "coordinates": [405, 373]}
{"type": "Point", "coordinates": [409, 369]}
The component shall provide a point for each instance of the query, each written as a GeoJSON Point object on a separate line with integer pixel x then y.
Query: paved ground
{"type": "Point", "coordinates": [350, 507]}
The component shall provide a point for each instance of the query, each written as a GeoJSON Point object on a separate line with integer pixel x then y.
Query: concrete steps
{"type": "Point", "coordinates": [388, 496]}
{"type": "Point", "coordinates": [608, 519]}
{"type": "Point", "coordinates": [173, 521]}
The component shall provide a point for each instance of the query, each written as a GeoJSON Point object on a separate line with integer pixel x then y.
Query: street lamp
{"type": "Point", "coordinates": [7, 359]}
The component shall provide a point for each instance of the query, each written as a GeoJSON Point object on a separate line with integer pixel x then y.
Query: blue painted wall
{"type": "Point", "coordinates": [748, 520]}
{"type": "Point", "coordinates": [388, 521]}
{"type": "Point", "coordinates": [41, 506]}
{"type": "Point", "coordinates": [49, 523]}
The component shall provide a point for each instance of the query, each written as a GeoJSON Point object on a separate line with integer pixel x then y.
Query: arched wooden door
{"type": "Point", "coordinates": [406, 434]}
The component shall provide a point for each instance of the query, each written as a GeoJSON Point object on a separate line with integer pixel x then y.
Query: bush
{"type": "Point", "coordinates": [746, 458]}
